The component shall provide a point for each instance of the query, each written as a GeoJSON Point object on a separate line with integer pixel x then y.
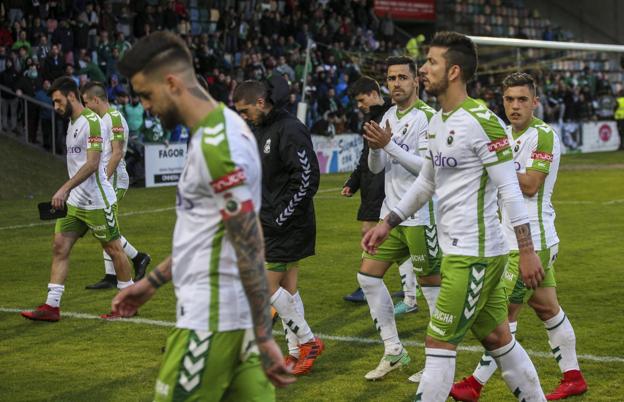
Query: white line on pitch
{"type": "Point", "coordinates": [338, 338]}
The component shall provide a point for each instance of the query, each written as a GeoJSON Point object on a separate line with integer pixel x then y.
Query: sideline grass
{"type": "Point", "coordinates": [79, 360]}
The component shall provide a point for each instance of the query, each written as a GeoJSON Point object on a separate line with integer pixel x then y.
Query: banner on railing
{"type": "Point", "coordinates": [164, 164]}
{"type": "Point", "coordinates": [340, 153]}
{"type": "Point", "coordinates": [595, 136]}
{"type": "Point", "coordinates": [412, 10]}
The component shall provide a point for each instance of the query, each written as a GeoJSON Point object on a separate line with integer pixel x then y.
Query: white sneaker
{"type": "Point", "coordinates": [416, 377]}
{"type": "Point", "coordinates": [387, 364]}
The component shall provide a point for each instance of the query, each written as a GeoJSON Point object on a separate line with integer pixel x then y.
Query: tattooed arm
{"type": "Point", "coordinates": [244, 231]}
{"type": "Point", "coordinates": [503, 175]}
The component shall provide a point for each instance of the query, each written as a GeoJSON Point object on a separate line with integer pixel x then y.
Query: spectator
{"type": "Point", "coordinates": [329, 102]}
{"type": "Point", "coordinates": [104, 51]}
{"type": "Point", "coordinates": [9, 78]}
{"type": "Point", "coordinates": [114, 88]}
{"type": "Point", "coordinates": [133, 112]}
{"type": "Point", "coordinates": [53, 66]}
{"type": "Point", "coordinates": [91, 70]}
{"type": "Point", "coordinates": [45, 115]}
{"type": "Point", "coordinates": [22, 42]}
{"type": "Point", "coordinates": [69, 71]}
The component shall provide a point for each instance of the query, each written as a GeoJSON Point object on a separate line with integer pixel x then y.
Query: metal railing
{"type": "Point", "coordinates": [29, 99]}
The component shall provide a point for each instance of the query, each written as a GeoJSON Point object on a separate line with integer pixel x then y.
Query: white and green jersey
{"type": "Point", "coordinates": [462, 143]}
{"type": "Point", "coordinates": [222, 175]}
{"type": "Point", "coordinates": [87, 133]}
{"type": "Point", "coordinates": [409, 132]}
{"type": "Point", "coordinates": [117, 128]}
{"type": "Point", "coordinates": [536, 148]}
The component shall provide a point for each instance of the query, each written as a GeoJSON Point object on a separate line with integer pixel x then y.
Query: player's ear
{"type": "Point", "coordinates": [174, 84]}
{"type": "Point", "coordinates": [454, 72]}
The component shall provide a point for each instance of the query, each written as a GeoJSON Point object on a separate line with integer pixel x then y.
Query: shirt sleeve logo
{"type": "Point", "coordinates": [498, 145]}
{"type": "Point", "coordinates": [542, 156]}
{"type": "Point", "coordinates": [95, 140]}
{"type": "Point", "coordinates": [228, 181]}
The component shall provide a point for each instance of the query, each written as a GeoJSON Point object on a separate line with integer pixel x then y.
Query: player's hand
{"type": "Point", "coordinates": [531, 269]}
{"type": "Point", "coordinates": [346, 192]}
{"type": "Point", "coordinates": [374, 237]}
{"type": "Point", "coordinates": [59, 198]}
{"type": "Point", "coordinates": [376, 136]}
{"type": "Point", "coordinates": [128, 301]}
{"type": "Point", "coordinates": [273, 364]}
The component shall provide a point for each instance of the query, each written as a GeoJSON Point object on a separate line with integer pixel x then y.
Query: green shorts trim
{"type": "Point", "coordinates": [120, 193]}
{"type": "Point", "coordinates": [102, 222]}
{"type": "Point", "coordinates": [280, 266]}
{"type": "Point", "coordinates": [471, 298]}
{"type": "Point", "coordinates": [515, 290]}
{"type": "Point", "coordinates": [419, 243]}
{"type": "Point", "coordinates": [204, 366]}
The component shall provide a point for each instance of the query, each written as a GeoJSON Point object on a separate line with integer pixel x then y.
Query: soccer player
{"type": "Point", "coordinates": [536, 153]}
{"type": "Point", "coordinates": [399, 149]}
{"type": "Point", "coordinates": [369, 100]}
{"type": "Point", "coordinates": [95, 98]}
{"type": "Point", "coordinates": [469, 162]}
{"type": "Point", "coordinates": [290, 178]}
{"type": "Point", "coordinates": [88, 195]}
{"type": "Point", "coordinates": [223, 335]}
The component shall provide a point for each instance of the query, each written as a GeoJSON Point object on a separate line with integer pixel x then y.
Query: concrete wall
{"type": "Point", "coordinates": [598, 21]}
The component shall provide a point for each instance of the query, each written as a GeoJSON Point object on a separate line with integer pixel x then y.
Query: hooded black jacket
{"type": "Point", "coordinates": [371, 185]}
{"type": "Point", "coordinates": [290, 178]}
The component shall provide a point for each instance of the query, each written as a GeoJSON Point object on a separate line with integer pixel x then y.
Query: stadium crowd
{"type": "Point", "coordinates": [235, 41]}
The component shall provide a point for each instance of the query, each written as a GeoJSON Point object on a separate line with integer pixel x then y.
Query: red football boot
{"type": "Point", "coordinates": [466, 390]}
{"type": "Point", "coordinates": [572, 384]}
{"type": "Point", "coordinates": [45, 312]}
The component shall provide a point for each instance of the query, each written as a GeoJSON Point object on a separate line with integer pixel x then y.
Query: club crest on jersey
{"type": "Point", "coordinates": [450, 138]}
{"type": "Point", "coordinates": [517, 147]}
{"type": "Point", "coordinates": [542, 156]}
{"type": "Point", "coordinates": [498, 145]}
{"type": "Point", "coordinates": [404, 130]}
{"type": "Point", "coordinates": [267, 146]}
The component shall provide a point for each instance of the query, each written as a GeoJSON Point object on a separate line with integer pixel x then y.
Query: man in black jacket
{"type": "Point", "coordinates": [290, 178]}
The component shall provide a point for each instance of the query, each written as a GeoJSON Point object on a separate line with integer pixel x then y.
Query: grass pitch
{"type": "Point", "coordinates": [83, 359]}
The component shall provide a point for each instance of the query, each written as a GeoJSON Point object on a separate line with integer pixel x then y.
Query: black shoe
{"type": "Point", "coordinates": [357, 296]}
{"type": "Point", "coordinates": [108, 282]}
{"type": "Point", "coordinates": [140, 262]}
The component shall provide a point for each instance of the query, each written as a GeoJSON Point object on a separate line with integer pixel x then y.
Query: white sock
{"type": "Point", "coordinates": [286, 307]}
{"type": "Point", "coordinates": [562, 341]}
{"type": "Point", "coordinates": [487, 365]}
{"type": "Point", "coordinates": [437, 379]}
{"type": "Point", "coordinates": [291, 339]}
{"type": "Point", "coordinates": [109, 267]}
{"type": "Point", "coordinates": [55, 292]}
{"type": "Point", "coordinates": [408, 281]}
{"type": "Point", "coordinates": [519, 372]}
{"type": "Point", "coordinates": [122, 285]}
{"type": "Point", "coordinates": [299, 304]}
{"type": "Point", "coordinates": [128, 248]}
{"type": "Point", "coordinates": [431, 295]}
{"type": "Point", "coordinates": [382, 311]}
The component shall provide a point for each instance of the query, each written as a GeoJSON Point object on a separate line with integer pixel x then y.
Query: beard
{"type": "Point", "coordinates": [438, 88]}
{"type": "Point", "coordinates": [69, 110]}
{"type": "Point", "coordinates": [170, 118]}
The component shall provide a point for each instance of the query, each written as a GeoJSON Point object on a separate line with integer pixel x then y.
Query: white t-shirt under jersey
{"type": "Point", "coordinates": [409, 134]}
{"type": "Point", "coordinates": [222, 170]}
{"type": "Point", "coordinates": [87, 133]}
{"type": "Point", "coordinates": [537, 148]}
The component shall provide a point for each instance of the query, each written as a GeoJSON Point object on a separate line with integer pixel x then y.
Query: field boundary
{"type": "Point", "coordinates": [337, 338]}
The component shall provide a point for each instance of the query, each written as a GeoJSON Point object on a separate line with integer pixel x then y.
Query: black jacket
{"type": "Point", "coordinates": [290, 178]}
{"type": "Point", "coordinates": [371, 185]}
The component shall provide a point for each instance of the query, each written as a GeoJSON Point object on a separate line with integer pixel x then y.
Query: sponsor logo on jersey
{"type": "Point", "coordinates": [74, 150]}
{"type": "Point", "coordinates": [228, 181]}
{"type": "Point", "coordinates": [117, 129]}
{"type": "Point", "coordinates": [440, 160]}
{"type": "Point", "coordinates": [498, 145]}
{"type": "Point", "coordinates": [95, 140]}
{"type": "Point", "coordinates": [517, 165]}
{"type": "Point", "coordinates": [542, 156]}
